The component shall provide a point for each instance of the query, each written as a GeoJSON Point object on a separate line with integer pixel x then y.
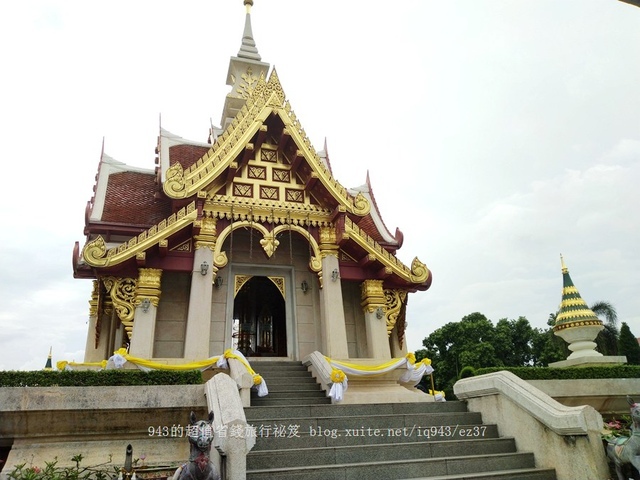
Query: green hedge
{"type": "Point", "coordinates": [542, 373]}
{"type": "Point", "coordinates": [66, 378]}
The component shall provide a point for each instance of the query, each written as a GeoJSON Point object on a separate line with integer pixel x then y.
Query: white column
{"type": "Point", "coordinates": [334, 329]}
{"type": "Point", "coordinates": [144, 320]}
{"type": "Point", "coordinates": [374, 307]}
{"type": "Point", "coordinates": [396, 350]}
{"type": "Point", "coordinates": [196, 343]}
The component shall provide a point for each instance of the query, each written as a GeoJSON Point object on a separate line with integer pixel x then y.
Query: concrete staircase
{"type": "Point", "coordinates": [302, 436]}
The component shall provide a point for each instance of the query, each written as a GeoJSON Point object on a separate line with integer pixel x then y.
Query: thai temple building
{"type": "Point", "coordinates": [243, 241]}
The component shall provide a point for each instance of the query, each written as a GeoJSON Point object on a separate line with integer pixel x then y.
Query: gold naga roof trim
{"type": "Point", "coordinates": [417, 274]}
{"type": "Point", "coordinates": [267, 97]}
{"type": "Point", "coordinates": [96, 254]}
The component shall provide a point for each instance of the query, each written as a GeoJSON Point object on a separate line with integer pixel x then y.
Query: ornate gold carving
{"type": "Point", "coordinates": [95, 297]}
{"type": "Point", "coordinates": [292, 195]}
{"type": "Point", "coordinates": [267, 98]}
{"type": "Point", "coordinates": [95, 252]}
{"type": "Point", "coordinates": [242, 190]}
{"type": "Point", "coordinates": [361, 205]}
{"type": "Point", "coordinates": [281, 175]}
{"type": "Point", "coordinates": [122, 293]}
{"type": "Point", "coordinates": [394, 301]}
{"type": "Point", "coordinates": [208, 233]}
{"type": "Point", "coordinates": [174, 184]}
{"type": "Point", "coordinates": [372, 295]}
{"type": "Point", "coordinates": [287, 213]}
{"type": "Point", "coordinates": [419, 270]}
{"type": "Point", "coordinates": [269, 193]}
{"type": "Point", "coordinates": [94, 308]}
{"type": "Point", "coordinates": [328, 239]}
{"type": "Point", "coordinates": [259, 173]}
{"type": "Point", "coordinates": [249, 81]}
{"type": "Point", "coordinates": [269, 243]}
{"type": "Point", "coordinates": [578, 323]}
{"type": "Point", "coordinates": [239, 282]}
{"type": "Point", "coordinates": [148, 286]}
{"type": "Point", "coordinates": [328, 236]}
{"type": "Point", "coordinates": [279, 283]}
{"type": "Point", "coordinates": [418, 273]}
{"type": "Point", "coordinates": [183, 247]}
{"type": "Point", "coordinates": [267, 155]}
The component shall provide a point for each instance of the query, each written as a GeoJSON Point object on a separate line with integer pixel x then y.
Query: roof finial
{"type": "Point", "coordinates": [248, 47]}
{"type": "Point", "coordinates": [564, 267]}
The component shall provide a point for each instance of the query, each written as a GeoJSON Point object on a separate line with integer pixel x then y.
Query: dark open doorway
{"type": "Point", "coordinates": [259, 318]}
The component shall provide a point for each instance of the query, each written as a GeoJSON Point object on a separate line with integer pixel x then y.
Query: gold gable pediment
{"type": "Point", "coordinates": [247, 162]}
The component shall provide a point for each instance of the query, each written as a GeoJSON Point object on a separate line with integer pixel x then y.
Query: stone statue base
{"type": "Point", "coordinates": [594, 361]}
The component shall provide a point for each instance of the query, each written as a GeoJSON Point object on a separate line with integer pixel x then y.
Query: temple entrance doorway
{"type": "Point", "coordinates": [259, 316]}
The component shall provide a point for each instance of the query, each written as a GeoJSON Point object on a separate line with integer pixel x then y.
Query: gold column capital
{"type": "Point", "coordinates": [208, 234]}
{"type": "Point", "coordinates": [148, 286]}
{"type": "Point", "coordinates": [328, 242]}
{"type": "Point", "coordinates": [372, 296]}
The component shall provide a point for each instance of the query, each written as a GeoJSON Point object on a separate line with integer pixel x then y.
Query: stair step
{"type": "Point", "coordinates": [412, 468]}
{"type": "Point", "coordinates": [288, 394]}
{"type": "Point", "coordinates": [275, 366]}
{"type": "Point", "coordinates": [289, 380]}
{"type": "Point", "coordinates": [519, 474]}
{"type": "Point", "coordinates": [298, 457]}
{"type": "Point", "coordinates": [406, 425]}
{"type": "Point", "coordinates": [300, 435]}
{"type": "Point", "coordinates": [334, 410]}
{"type": "Point", "coordinates": [283, 374]}
{"type": "Point", "coordinates": [285, 435]}
{"type": "Point", "coordinates": [266, 401]}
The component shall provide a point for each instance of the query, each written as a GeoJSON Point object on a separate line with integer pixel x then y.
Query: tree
{"type": "Point", "coordinates": [470, 342]}
{"type": "Point", "coordinates": [547, 348]}
{"type": "Point", "coordinates": [628, 345]}
{"type": "Point", "coordinates": [607, 339]}
{"type": "Point", "coordinates": [514, 342]}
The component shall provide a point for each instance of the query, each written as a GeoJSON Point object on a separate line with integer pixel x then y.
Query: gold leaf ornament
{"type": "Point", "coordinates": [174, 185]}
{"type": "Point", "coordinates": [94, 252]}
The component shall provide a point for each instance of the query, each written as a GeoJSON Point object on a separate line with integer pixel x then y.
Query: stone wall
{"type": "Point", "coordinates": [41, 423]}
{"type": "Point", "coordinates": [171, 320]}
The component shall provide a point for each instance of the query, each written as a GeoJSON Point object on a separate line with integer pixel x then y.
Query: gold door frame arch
{"type": "Point", "coordinates": [240, 280]}
{"type": "Point", "coordinates": [268, 242]}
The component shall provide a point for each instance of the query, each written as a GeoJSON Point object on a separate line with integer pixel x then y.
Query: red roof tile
{"type": "Point", "coordinates": [130, 200]}
{"type": "Point", "coordinates": [187, 155]}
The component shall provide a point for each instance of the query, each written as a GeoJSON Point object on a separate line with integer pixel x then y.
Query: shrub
{"type": "Point", "coordinates": [65, 378]}
{"type": "Point", "coordinates": [467, 371]}
{"type": "Point", "coordinates": [545, 373]}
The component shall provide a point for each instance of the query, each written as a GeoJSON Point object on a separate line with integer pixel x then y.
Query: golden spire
{"type": "Point", "coordinates": [574, 311]}
{"type": "Point", "coordinates": [564, 267]}
{"type": "Point", "coordinates": [48, 365]}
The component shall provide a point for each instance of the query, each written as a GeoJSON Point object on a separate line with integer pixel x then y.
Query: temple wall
{"type": "Point", "coordinates": [248, 252]}
{"type": "Point", "coordinates": [171, 320]}
{"type": "Point", "coordinates": [354, 320]}
{"type": "Point", "coordinates": [218, 317]}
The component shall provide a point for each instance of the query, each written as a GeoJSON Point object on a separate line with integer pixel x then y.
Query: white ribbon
{"type": "Point", "coordinates": [413, 374]}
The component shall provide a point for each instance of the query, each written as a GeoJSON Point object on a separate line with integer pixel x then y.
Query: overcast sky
{"type": "Point", "coordinates": [497, 134]}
